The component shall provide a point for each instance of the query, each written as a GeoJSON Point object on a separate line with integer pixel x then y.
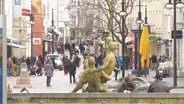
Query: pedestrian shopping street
{"type": "Point", "coordinates": [60, 82]}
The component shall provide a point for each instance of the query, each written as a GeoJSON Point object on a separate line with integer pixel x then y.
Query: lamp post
{"type": "Point", "coordinates": [123, 14]}
{"type": "Point", "coordinates": [31, 22]}
{"type": "Point", "coordinates": [139, 21]}
{"type": "Point", "coordinates": [170, 5]}
{"type": "Point", "coordinates": [52, 27]}
{"type": "Point", "coordinates": [78, 33]}
{"type": "Point", "coordinates": [146, 18]}
{"type": "Point", "coordinates": [105, 35]}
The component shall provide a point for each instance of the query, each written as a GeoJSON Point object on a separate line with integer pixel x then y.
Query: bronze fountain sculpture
{"type": "Point", "coordinates": [97, 78]}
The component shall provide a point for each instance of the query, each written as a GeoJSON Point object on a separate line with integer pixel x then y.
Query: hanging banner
{"type": "Point", "coordinates": [17, 7]}
{"type": "Point", "coordinates": [26, 12]}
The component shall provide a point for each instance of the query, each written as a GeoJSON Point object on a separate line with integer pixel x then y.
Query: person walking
{"type": "Point", "coordinates": [9, 67]}
{"type": "Point", "coordinates": [118, 66]}
{"type": "Point", "coordinates": [39, 67]}
{"type": "Point", "coordinates": [158, 85]}
{"type": "Point", "coordinates": [77, 60]}
{"type": "Point", "coordinates": [28, 61]}
{"type": "Point", "coordinates": [127, 61]}
{"type": "Point", "coordinates": [66, 62]}
{"type": "Point", "coordinates": [154, 61]}
{"type": "Point", "coordinates": [49, 68]}
{"type": "Point", "coordinates": [72, 70]}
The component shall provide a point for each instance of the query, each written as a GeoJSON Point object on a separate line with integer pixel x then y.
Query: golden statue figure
{"type": "Point", "coordinates": [97, 78]}
{"type": "Point", "coordinates": [82, 77]}
{"type": "Point", "coordinates": [109, 62]}
{"type": "Point", "coordinates": [92, 77]}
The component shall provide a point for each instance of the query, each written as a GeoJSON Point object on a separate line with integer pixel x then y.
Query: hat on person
{"type": "Point", "coordinates": [158, 76]}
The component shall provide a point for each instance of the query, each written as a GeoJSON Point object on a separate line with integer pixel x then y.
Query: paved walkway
{"type": "Point", "coordinates": [60, 82]}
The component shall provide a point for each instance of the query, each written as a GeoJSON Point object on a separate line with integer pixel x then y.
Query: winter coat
{"type": "Point", "coordinates": [119, 62]}
{"type": "Point", "coordinates": [154, 59]}
{"type": "Point", "coordinates": [77, 61]}
{"type": "Point", "coordinates": [127, 86]}
{"type": "Point", "coordinates": [158, 86]}
{"type": "Point", "coordinates": [49, 68]}
{"type": "Point", "coordinates": [72, 68]}
{"type": "Point", "coordinates": [39, 64]}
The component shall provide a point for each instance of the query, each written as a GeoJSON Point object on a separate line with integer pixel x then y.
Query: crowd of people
{"type": "Point", "coordinates": [39, 65]}
{"type": "Point", "coordinates": [13, 65]}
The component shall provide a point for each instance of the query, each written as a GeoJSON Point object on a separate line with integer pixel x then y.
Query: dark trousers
{"type": "Point", "coordinates": [39, 71]}
{"type": "Point", "coordinates": [48, 81]}
{"type": "Point", "coordinates": [116, 75]}
{"type": "Point", "coordinates": [126, 65]}
{"type": "Point", "coordinates": [72, 75]}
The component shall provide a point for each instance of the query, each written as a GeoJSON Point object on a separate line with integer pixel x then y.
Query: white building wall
{"type": "Point", "coordinates": [63, 19]}
{"type": "Point", "coordinates": [9, 15]}
{"type": "Point", "coordinates": [182, 51]}
{"type": "Point", "coordinates": [162, 20]}
{"type": "Point", "coordinates": [61, 15]}
{"type": "Point", "coordinates": [49, 5]}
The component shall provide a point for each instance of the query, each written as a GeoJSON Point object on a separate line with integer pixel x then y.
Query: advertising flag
{"type": "Point", "coordinates": [25, 12]}
{"type": "Point", "coordinates": [17, 9]}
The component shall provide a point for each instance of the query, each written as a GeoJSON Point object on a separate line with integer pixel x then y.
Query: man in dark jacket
{"type": "Point", "coordinates": [77, 60]}
{"type": "Point", "coordinates": [127, 85]}
{"type": "Point", "coordinates": [72, 70]}
{"type": "Point", "coordinates": [158, 85]}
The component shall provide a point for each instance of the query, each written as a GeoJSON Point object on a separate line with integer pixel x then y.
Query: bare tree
{"type": "Point", "coordinates": [106, 13]}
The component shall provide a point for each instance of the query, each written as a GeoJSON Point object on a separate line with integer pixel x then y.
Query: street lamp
{"type": "Point", "coordinates": [146, 18]}
{"type": "Point", "coordinates": [105, 35]}
{"type": "Point", "coordinates": [139, 21]}
{"type": "Point", "coordinates": [31, 22]}
{"type": "Point", "coordinates": [52, 27]}
{"type": "Point", "coordinates": [170, 5]}
{"type": "Point", "coordinates": [123, 14]}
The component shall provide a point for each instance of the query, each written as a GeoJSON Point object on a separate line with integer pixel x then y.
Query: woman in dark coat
{"type": "Point", "coordinates": [66, 62]}
{"type": "Point", "coordinates": [72, 70]}
{"type": "Point", "coordinates": [49, 68]}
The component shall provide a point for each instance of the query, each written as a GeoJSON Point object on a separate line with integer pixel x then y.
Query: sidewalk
{"type": "Point", "coordinates": [60, 83]}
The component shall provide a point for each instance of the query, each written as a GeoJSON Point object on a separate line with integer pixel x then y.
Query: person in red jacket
{"type": "Point", "coordinates": [9, 67]}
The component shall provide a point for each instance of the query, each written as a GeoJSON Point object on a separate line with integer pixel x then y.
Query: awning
{"type": "Point", "coordinates": [153, 39]}
{"type": "Point", "coordinates": [58, 32]}
{"type": "Point", "coordinates": [16, 45]}
{"type": "Point", "coordinates": [48, 37]}
{"type": "Point", "coordinates": [11, 38]}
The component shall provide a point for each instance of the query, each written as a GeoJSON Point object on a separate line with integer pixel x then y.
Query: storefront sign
{"type": "Point", "coordinates": [36, 41]}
